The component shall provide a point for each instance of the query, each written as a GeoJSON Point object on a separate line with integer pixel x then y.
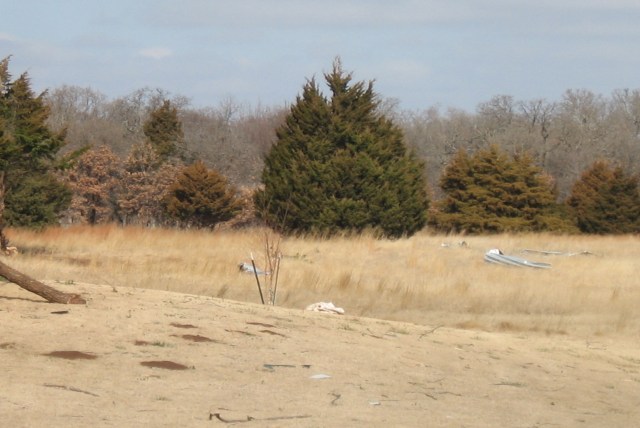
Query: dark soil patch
{"type": "Point", "coordinates": [261, 324]}
{"type": "Point", "coordinates": [141, 343]}
{"type": "Point", "coordinates": [246, 333]}
{"type": "Point", "coordinates": [175, 324]}
{"type": "Point", "coordinates": [196, 338]}
{"type": "Point", "coordinates": [168, 365]}
{"type": "Point", "coordinates": [71, 355]}
{"type": "Point", "coordinates": [273, 333]}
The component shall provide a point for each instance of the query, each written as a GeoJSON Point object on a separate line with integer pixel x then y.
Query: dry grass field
{"type": "Point", "coordinates": [592, 289]}
{"type": "Point", "coordinates": [173, 334]}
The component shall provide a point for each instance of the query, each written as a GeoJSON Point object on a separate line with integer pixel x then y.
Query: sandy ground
{"type": "Point", "coordinates": [134, 357]}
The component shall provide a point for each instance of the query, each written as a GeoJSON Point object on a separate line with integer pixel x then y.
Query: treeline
{"type": "Point", "coordinates": [564, 136]}
{"type": "Point", "coordinates": [566, 165]}
{"type": "Point", "coordinates": [231, 138]}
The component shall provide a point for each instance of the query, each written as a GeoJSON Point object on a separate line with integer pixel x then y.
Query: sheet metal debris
{"type": "Point", "coordinates": [498, 257]}
{"type": "Point", "coordinates": [557, 253]}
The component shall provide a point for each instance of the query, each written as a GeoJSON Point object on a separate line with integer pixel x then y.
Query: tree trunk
{"type": "Point", "coordinates": [42, 290]}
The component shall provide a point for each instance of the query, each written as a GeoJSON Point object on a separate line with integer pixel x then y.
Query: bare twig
{"type": "Point", "coordinates": [273, 255]}
{"type": "Point", "coordinates": [424, 393]}
{"type": "Point", "coordinates": [337, 397]}
{"type": "Point", "coordinates": [251, 418]}
{"type": "Point", "coordinates": [275, 285]}
{"type": "Point", "coordinates": [429, 331]}
{"type": "Point", "coordinates": [69, 388]}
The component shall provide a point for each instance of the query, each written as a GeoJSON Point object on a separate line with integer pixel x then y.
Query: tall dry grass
{"type": "Point", "coordinates": [417, 279]}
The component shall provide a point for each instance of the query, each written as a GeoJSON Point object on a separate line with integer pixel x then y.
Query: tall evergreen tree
{"type": "Point", "coordinates": [27, 151]}
{"type": "Point", "coordinates": [201, 197]}
{"type": "Point", "coordinates": [164, 131]}
{"type": "Point", "coordinates": [491, 192]}
{"type": "Point", "coordinates": [606, 200]}
{"type": "Point", "coordinates": [339, 165]}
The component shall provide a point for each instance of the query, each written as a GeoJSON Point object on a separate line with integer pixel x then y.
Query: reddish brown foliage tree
{"type": "Point", "coordinates": [144, 186]}
{"type": "Point", "coordinates": [94, 180]}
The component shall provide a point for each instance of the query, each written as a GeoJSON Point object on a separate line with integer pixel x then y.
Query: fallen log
{"type": "Point", "coordinates": [50, 294]}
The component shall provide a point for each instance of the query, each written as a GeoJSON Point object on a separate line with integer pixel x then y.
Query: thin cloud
{"type": "Point", "coordinates": [407, 69]}
{"type": "Point", "coordinates": [369, 13]}
{"type": "Point", "coordinates": [6, 37]}
{"type": "Point", "coordinates": [156, 53]}
{"type": "Point", "coordinates": [311, 13]}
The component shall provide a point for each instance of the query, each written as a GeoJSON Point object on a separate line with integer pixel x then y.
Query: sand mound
{"type": "Point", "coordinates": [134, 357]}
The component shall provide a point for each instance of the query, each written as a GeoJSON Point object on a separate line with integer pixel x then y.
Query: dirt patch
{"type": "Point", "coordinates": [197, 338]}
{"type": "Point", "coordinates": [245, 333]}
{"type": "Point", "coordinates": [350, 371]}
{"type": "Point", "coordinates": [261, 324]}
{"type": "Point", "coordinates": [71, 355]}
{"type": "Point", "coordinates": [168, 365]}
{"type": "Point", "coordinates": [272, 333]}
{"type": "Point", "coordinates": [175, 324]}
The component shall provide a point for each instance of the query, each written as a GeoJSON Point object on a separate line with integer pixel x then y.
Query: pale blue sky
{"type": "Point", "coordinates": [451, 53]}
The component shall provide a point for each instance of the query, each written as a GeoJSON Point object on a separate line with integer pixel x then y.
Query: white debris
{"type": "Point", "coordinates": [325, 307]}
{"type": "Point", "coordinates": [11, 251]}
{"type": "Point", "coordinates": [320, 376]}
{"type": "Point", "coordinates": [248, 268]}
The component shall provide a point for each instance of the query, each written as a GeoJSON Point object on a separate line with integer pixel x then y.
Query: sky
{"type": "Point", "coordinates": [420, 53]}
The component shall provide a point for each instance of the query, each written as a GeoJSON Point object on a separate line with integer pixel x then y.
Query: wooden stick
{"type": "Point", "coordinates": [255, 272]}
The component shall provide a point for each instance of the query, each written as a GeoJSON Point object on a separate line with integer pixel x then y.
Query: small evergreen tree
{"type": "Point", "coordinates": [27, 152]}
{"type": "Point", "coordinates": [37, 202]}
{"type": "Point", "coordinates": [201, 197]}
{"type": "Point", "coordinates": [339, 165]}
{"type": "Point", "coordinates": [606, 200]}
{"type": "Point", "coordinates": [164, 131]}
{"type": "Point", "coordinates": [491, 192]}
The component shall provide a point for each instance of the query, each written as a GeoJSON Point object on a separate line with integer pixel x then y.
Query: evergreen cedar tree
{"type": "Point", "coordinates": [492, 192]}
{"type": "Point", "coordinates": [164, 131]}
{"type": "Point", "coordinates": [32, 195]}
{"type": "Point", "coordinates": [339, 165]}
{"type": "Point", "coordinates": [606, 200]}
{"type": "Point", "coordinates": [201, 197]}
